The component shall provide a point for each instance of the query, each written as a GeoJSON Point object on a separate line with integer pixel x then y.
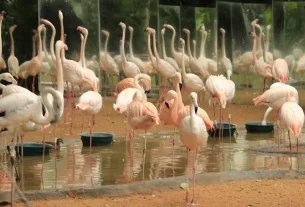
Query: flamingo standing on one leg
{"type": "Point", "coordinates": [292, 118]}
{"type": "Point", "coordinates": [193, 135]}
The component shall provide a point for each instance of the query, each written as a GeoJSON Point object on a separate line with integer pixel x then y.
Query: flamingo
{"type": "Point", "coordinates": [279, 70]}
{"type": "Point", "coordinates": [110, 66]}
{"type": "Point", "coordinates": [13, 63]}
{"type": "Point", "coordinates": [225, 62]}
{"type": "Point", "coordinates": [165, 57]}
{"type": "Point", "coordinates": [127, 83]}
{"type": "Point", "coordinates": [2, 62]}
{"type": "Point", "coordinates": [125, 97]}
{"type": "Point", "coordinates": [36, 62]}
{"type": "Point", "coordinates": [132, 58]}
{"type": "Point", "coordinates": [196, 66]}
{"type": "Point", "coordinates": [191, 82]}
{"type": "Point", "coordinates": [7, 78]}
{"type": "Point", "coordinates": [177, 56]}
{"type": "Point", "coordinates": [193, 135]}
{"type": "Point", "coordinates": [259, 65]}
{"type": "Point", "coordinates": [267, 55]}
{"type": "Point", "coordinates": [164, 69]}
{"type": "Point", "coordinates": [292, 118]}
{"type": "Point", "coordinates": [130, 68]}
{"type": "Point", "coordinates": [211, 64]}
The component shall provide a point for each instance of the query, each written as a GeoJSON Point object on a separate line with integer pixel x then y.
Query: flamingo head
{"type": "Point", "coordinates": [12, 28]}
{"type": "Point", "coordinates": [150, 30]}
{"type": "Point", "coordinates": [168, 26]}
{"type": "Point", "coordinates": [40, 28]}
{"type": "Point", "coordinates": [171, 94]}
{"type": "Point", "coordinates": [194, 98]}
{"type": "Point", "coordinates": [163, 31]}
{"type": "Point", "coordinates": [61, 45]}
{"type": "Point", "coordinates": [105, 32]}
{"type": "Point", "coordinates": [253, 34]}
{"type": "Point", "coordinates": [182, 42]}
{"type": "Point", "coordinates": [222, 31]}
{"type": "Point", "coordinates": [130, 28]}
{"type": "Point", "coordinates": [186, 31]}
{"type": "Point", "coordinates": [254, 22]}
{"type": "Point", "coordinates": [34, 36]}
{"type": "Point", "coordinates": [60, 15]}
{"type": "Point", "coordinates": [82, 30]}
{"type": "Point", "coordinates": [2, 13]}
{"type": "Point", "coordinates": [122, 25]}
{"type": "Point", "coordinates": [7, 78]}
{"type": "Point", "coordinates": [202, 28]}
{"type": "Point", "coordinates": [259, 27]}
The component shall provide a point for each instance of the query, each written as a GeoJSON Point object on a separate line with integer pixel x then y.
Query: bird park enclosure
{"type": "Point", "coordinates": [112, 98]}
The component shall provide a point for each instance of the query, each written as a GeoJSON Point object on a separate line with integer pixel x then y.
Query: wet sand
{"type": "Point", "coordinates": [246, 193]}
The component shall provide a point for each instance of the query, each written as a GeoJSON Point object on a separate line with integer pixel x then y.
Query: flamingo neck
{"type": "Point", "coordinates": [188, 45]}
{"type": "Point", "coordinates": [130, 44]}
{"type": "Point", "coordinates": [84, 49]}
{"type": "Point", "coordinates": [39, 46]}
{"type": "Point", "coordinates": [174, 111]}
{"type": "Point", "coordinates": [254, 50]}
{"type": "Point", "coordinates": [34, 47]}
{"type": "Point", "coordinates": [267, 40]}
{"type": "Point", "coordinates": [202, 46]}
{"type": "Point", "coordinates": [182, 63]}
{"type": "Point", "coordinates": [259, 47]}
{"type": "Point", "coordinates": [59, 72]}
{"type": "Point", "coordinates": [149, 48]}
{"type": "Point", "coordinates": [62, 35]}
{"type": "Point", "coordinates": [155, 47]}
{"type": "Point", "coordinates": [194, 49]}
{"type": "Point", "coordinates": [81, 51]}
{"type": "Point", "coordinates": [12, 44]}
{"type": "Point", "coordinates": [136, 81]}
{"type": "Point", "coordinates": [52, 43]}
{"type": "Point", "coordinates": [163, 46]}
{"type": "Point", "coordinates": [44, 42]}
{"type": "Point", "coordinates": [124, 60]}
{"type": "Point", "coordinates": [179, 97]}
{"type": "Point", "coordinates": [106, 46]}
{"type": "Point", "coordinates": [223, 46]}
{"type": "Point", "coordinates": [173, 41]}
{"type": "Point", "coordinates": [1, 38]}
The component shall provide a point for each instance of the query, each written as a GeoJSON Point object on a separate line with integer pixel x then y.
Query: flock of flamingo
{"type": "Point", "coordinates": [22, 110]}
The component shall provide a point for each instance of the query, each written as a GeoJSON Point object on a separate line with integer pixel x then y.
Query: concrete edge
{"type": "Point", "coordinates": [153, 185]}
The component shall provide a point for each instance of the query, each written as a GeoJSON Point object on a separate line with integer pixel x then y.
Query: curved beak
{"type": "Point", "coordinates": [147, 92]}
{"type": "Point", "coordinates": [195, 105]}
{"type": "Point", "coordinates": [180, 86]}
{"type": "Point", "coordinates": [196, 109]}
{"type": "Point", "coordinates": [14, 81]}
{"type": "Point", "coordinates": [167, 105]}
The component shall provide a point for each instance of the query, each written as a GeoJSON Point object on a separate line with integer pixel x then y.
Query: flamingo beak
{"type": "Point", "coordinates": [196, 109]}
{"type": "Point", "coordinates": [180, 86]}
{"type": "Point", "coordinates": [167, 105]}
{"type": "Point", "coordinates": [147, 92]}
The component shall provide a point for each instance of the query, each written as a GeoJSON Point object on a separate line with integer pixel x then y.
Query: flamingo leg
{"type": "Point", "coordinates": [174, 150]}
{"type": "Point", "coordinates": [187, 196]}
{"type": "Point", "coordinates": [91, 131]}
{"type": "Point", "coordinates": [82, 128]}
{"type": "Point", "coordinates": [67, 100]}
{"type": "Point", "coordinates": [289, 141]}
{"type": "Point", "coordinates": [229, 121]}
{"type": "Point", "coordinates": [144, 155]}
{"type": "Point", "coordinates": [194, 170]}
{"type": "Point", "coordinates": [219, 129]}
{"type": "Point", "coordinates": [297, 146]}
{"type": "Point", "coordinates": [33, 84]}
{"type": "Point", "coordinates": [264, 85]}
{"type": "Point", "coordinates": [12, 154]}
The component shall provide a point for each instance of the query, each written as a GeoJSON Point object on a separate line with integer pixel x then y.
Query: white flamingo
{"type": "Point", "coordinates": [132, 58]}
{"type": "Point", "coordinates": [13, 63]}
{"type": "Point", "coordinates": [196, 66]}
{"type": "Point", "coordinates": [130, 68]}
{"type": "Point", "coordinates": [165, 57]}
{"type": "Point", "coordinates": [193, 135]}
{"type": "Point", "coordinates": [225, 62]}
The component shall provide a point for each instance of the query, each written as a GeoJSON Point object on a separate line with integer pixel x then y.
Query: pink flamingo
{"type": "Point", "coordinates": [193, 135]}
{"type": "Point", "coordinates": [36, 63]}
{"type": "Point", "coordinates": [279, 70]}
{"type": "Point", "coordinates": [126, 83]}
{"type": "Point", "coordinates": [292, 118]}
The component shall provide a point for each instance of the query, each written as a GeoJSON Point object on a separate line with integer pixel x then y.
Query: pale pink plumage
{"type": "Point", "coordinates": [280, 70]}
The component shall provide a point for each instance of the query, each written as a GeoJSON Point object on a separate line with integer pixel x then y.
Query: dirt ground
{"type": "Point", "coordinates": [109, 120]}
{"type": "Point", "coordinates": [246, 193]}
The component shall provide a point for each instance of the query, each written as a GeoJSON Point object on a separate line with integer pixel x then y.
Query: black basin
{"type": "Point", "coordinates": [257, 127]}
{"type": "Point", "coordinates": [226, 129]}
{"type": "Point", "coordinates": [33, 148]}
{"type": "Point", "coordinates": [98, 138]}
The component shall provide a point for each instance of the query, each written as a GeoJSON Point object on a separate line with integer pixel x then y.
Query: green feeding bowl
{"type": "Point", "coordinates": [257, 127]}
{"type": "Point", "coordinates": [33, 148]}
{"type": "Point", "coordinates": [98, 138]}
{"type": "Point", "coordinates": [226, 129]}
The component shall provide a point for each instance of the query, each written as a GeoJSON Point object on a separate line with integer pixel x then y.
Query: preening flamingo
{"type": "Point", "coordinates": [2, 62]}
{"type": "Point", "coordinates": [165, 57]}
{"type": "Point", "coordinates": [7, 78]}
{"type": "Point", "coordinates": [279, 70]}
{"type": "Point", "coordinates": [36, 63]}
{"type": "Point", "coordinates": [177, 55]}
{"type": "Point", "coordinates": [13, 63]}
{"type": "Point", "coordinates": [292, 118]}
{"type": "Point", "coordinates": [191, 82]}
{"type": "Point", "coordinates": [125, 97]}
{"type": "Point", "coordinates": [130, 68]}
{"type": "Point", "coordinates": [127, 83]}
{"type": "Point", "coordinates": [196, 66]}
{"type": "Point", "coordinates": [132, 58]}
{"type": "Point", "coordinates": [225, 62]}
{"type": "Point", "coordinates": [193, 135]}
